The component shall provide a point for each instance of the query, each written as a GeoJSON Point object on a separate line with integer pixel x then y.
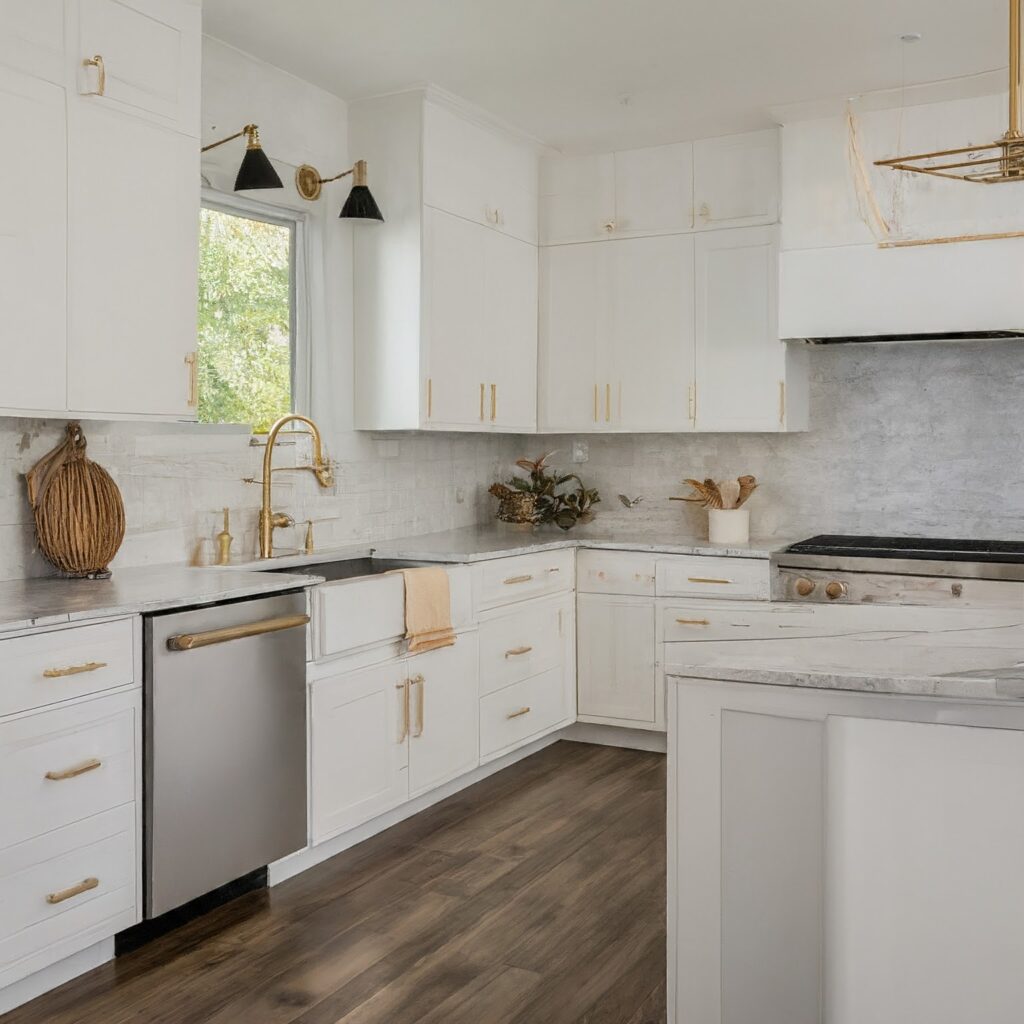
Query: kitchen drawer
{"type": "Point", "coordinates": [615, 572]}
{"type": "Point", "coordinates": [504, 581]}
{"type": "Point", "coordinates": [697, 576]}
{"type": "Point", "coordinates": [44, 668]}
{"type": "Point", "coordinates": [63, 741]}
{"type": "Point", "coordinates": [353, 614]}
{"type": "Point", "coordinates": [35, 932]}
{"type": "Point", "coordinates": [512, 716]}
{"type": "Point", "coordinates": [740, 620]}
{"type": "Point", "coordinates": [524, 642]}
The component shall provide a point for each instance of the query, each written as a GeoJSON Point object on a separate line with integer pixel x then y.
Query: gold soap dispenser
{"type": "Point", "coordinates": [224, 540]}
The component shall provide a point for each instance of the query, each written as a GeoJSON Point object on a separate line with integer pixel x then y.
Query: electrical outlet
{"type": "Point", "coordinates": [580, 451]}
{"type": "Point", "coordinates": [460, 496]}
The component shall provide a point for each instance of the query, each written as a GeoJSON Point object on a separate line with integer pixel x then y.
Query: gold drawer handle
{"type": "Point", "coordinates": [190, 641]}
{"type": "Point", "coordinates": [193, 380]}
{"type": "Point", "coordinates": [518, 579]}
{"type": "Point", "coordinates": [694, 622]}
{"type": "Point", "coordinates": [516, 651]}
{"type": "Point", "coordinates": [519, 713]}
{"type": "Point", "coordinates": [73, 670]}
{"type": "Point", "coordinates": [69, 773]}
{"type": "Point", "coordinates": [76, 890]}
{"type": "Point", "coordinates": [706, 579]}
{"type": "Point", "coordinates": [101, 81]}
{"type": "Point", "coordinates": [418, 681]}
{"type": "Point", "coordinates": [404, 686]}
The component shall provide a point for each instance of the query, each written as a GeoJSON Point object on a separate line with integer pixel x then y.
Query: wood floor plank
{"type": "Point", "coordinates": [534, 897]}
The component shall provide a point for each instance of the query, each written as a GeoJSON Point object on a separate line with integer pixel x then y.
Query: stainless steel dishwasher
{"type": "Point", "coordinates": [225, 744]}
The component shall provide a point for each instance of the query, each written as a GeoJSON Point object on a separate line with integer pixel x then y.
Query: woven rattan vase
{"type": "Point", "coordinates": [78, 509]}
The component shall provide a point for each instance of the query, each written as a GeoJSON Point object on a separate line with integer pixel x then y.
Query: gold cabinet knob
{"type": "Point", "coordinates": [835, 590]}
{"type": "Point", "coordinates": [805, 587]}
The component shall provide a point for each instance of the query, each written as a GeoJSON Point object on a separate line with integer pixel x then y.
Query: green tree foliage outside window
{"type": "Point", "coordinates": [244, 343]}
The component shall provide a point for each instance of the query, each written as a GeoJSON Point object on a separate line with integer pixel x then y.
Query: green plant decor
{"type": "Point", "coordinates": [561, 498]}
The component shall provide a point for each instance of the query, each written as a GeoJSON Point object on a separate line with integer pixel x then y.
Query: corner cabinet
{"type": "Point", "coordinates": [446, 287]}
{"type": "Point", "coordinates": [104, 279]}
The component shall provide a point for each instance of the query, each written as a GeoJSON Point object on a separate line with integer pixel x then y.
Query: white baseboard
{"type": "Point", "coordinates": [56, 974]}
{"type": "Point", "coordinates": [296, 863]}
{"type": "Point", "coordinates": [614, 736]}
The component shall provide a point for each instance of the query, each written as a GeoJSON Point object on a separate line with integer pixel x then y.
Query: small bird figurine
{"type": "Point", "coordinates": [630, 502]}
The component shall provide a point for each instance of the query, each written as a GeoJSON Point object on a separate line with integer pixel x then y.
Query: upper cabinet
{"type": "Point", "coordinates": [446, 288]}
{"type": "Point", "coordinates": [101, 317]}
{"type": "Point", "coordinates": [736, 180]}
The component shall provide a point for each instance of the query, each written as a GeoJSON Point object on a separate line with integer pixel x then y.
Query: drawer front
{"type": "Point", "coordinates": [507, 580]}
{"type": "Point", "coordinates": [45, 668]}
{"type": "Point", "coordinates": [510, 717]}
{"type": "Point", "coordinates": [66, 764]}
{"type": "Point", "coordinates": [714, 578]}
{"type": "Point", "coordinates": [740, 620]}
{"type": "Point", "coordinates": [615, 572]}
{"type": "Point", "coordinates": [67, 890]}
{"type": "Point", "coordinates": [523, 643]}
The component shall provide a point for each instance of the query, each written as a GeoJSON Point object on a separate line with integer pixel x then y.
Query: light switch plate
{"type": "Point", "coordinates": [580, 451]}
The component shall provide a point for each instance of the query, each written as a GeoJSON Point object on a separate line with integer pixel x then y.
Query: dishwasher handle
{"type": "Point", "coordinates": [190, 641]}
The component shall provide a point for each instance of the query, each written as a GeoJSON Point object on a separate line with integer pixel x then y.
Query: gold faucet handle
{"type": "Point", "coordinates": [325, 474]}
{"type": "Point", "coordinates": [308, 545]}
{"type": "Point", "coordinates": [279, 519]}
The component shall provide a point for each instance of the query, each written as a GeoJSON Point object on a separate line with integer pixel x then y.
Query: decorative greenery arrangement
{"type": "Point", "coordinates": [725, 494]}
{"type": "Point", "coordinates": [545, 496]}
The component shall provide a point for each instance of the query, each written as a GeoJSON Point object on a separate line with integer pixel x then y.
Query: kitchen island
{"type": "Point", "coordinates": [846, 822]}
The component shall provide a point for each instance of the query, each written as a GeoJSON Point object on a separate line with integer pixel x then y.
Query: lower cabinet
{"type": "Point", "coordinates": [384, 734]}
{"type": "Point", "coordinates": [618, 679]}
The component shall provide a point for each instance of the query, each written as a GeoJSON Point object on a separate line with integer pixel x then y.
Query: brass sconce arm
{"type": "Point", "coordinates": [309, 183]}
{"type": "Point", "coordinates": [250, 131]}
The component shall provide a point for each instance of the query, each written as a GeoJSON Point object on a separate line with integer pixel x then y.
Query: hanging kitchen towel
{"type": "Point", "coordinates": [428, 609]}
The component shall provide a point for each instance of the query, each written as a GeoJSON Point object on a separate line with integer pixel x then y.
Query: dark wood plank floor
{"type": "Point", "coordinates": [534, 897]}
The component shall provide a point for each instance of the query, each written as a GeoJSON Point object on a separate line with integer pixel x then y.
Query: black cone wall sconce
{"type": "Point", "coordinates": [255, 170]}
{"type": "Point", "coordinates": [360, 204]}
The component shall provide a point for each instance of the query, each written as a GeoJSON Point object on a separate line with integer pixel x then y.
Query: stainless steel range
{"type": "Point", "coordinates": [835, 568]}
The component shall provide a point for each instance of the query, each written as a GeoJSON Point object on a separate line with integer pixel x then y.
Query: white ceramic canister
{"type": "Point", "coordinates": [728, 525]}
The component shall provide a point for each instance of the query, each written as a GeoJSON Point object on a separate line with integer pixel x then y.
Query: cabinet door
{"type": "Point", "coordinates": [133, 251]}
{"type": "Point", "coordinates": [444, 739]}
{"type": "Point", "coordinates": [359, 754]}
{"type": "Point", "coordinates": [654, 190]}
{"type": "Point", "coordinates": [32, 39]}
{"type": "Point", "coordinates": [616, 651]}
{"type": "Point", "coordinates": [151, 58]}
{"type": "Point", "coordinates": [740, 360]}
{"type": "Point", "coordinates": [577, 198]}
{"type": "Point", "coordinates": [575, 311]}
{"type": "Point", "coordinates": [652, 340]}
{"type": "Point", "coordinates": [453, 320]}
{"type": "Point", "coordinates": [736, 180]}
{"type": "Point", "coordinates": [33, 245]}
{"type": "Point", "coordinates": [510, 337]}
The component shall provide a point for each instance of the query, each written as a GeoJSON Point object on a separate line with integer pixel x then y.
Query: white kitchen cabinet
{"type": "Point", "coordinates": [577, 198]}
{"type": "Point", "coordinates": [133, 252]}
{"type": "Point", "coordinates": [359, 752]}
{"type": "Point", "coordinates": [746, 378]}
{"type": "Point", "coordinates": [824, 857]}
{"type": "Point", "coordinates": [618, 682]}
{"type": "Point", "coordinates": [33, 244]}
{"type": "Point", "coordinates": [32, 39]}
{"type": "Point", "coordinates": [444, 699]}
{"type": "Point", "coordinates": [736, 180]}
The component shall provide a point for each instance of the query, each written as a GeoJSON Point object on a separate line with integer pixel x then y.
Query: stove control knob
{"type": "Point", "coordinates": [835, 590]}
{"type": "Point", "coordinates": [805, 587]}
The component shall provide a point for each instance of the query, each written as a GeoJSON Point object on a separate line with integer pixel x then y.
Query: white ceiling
{"type": "Point", "coordinates": [601, 74]}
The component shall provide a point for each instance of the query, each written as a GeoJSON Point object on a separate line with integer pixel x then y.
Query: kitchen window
{"type": "Point", "coordinates": [252, 352]}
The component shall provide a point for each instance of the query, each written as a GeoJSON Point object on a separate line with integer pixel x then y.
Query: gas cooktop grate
{"type": "Point", "coordinates": [921, 548]}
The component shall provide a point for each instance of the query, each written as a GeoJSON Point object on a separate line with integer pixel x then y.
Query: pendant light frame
{"type": "Point", "coordinates": [994, 164]}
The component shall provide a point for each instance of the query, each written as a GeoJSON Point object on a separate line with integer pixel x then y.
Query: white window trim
{"type": "Point", "coordinates": [299, 298]}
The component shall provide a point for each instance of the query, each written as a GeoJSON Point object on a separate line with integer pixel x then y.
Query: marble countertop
{"type": "Point", "coordinates": [493, 540]}
{"type": "Point", "coordinates": [981, 656]}
{"type": "Point", "coordinates": [26, 604]}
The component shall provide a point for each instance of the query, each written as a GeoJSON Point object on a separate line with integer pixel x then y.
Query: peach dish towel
{"type": "Point", "coordinates": [428, 609]}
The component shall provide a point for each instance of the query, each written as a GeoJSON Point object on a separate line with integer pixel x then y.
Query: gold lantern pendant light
{"type": "Point", "coordinates": [992, 164]}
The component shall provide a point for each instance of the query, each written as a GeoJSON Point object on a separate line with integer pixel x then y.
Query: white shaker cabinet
{"type": "Point", "coordinates": [32, 39]}
{"type": "Point", "coordinates": [736, 180]}
{"type": "Point", "coordinates": [577, 198]}
{"type": "Point", "coordinates": [33, 244]}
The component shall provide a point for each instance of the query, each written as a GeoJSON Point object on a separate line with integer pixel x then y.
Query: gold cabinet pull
{"type": "Point", "coordinates": [193, 380]}
{"type": "Point", "coordinates": [595, 403]}
{"type": "Point", "coordinates": [694, 622]}
{"type": "Point", "coordinates": [73, 670]}
{"type": "Point", "coordinates": [418, 681]}
{"type": "Point", "coordinates": [190, 641]}
{"type": "Point", "coordinates": [101, 83]}
{"type": "Point", "coordinates": [518, 579]}
{"type": "Point", "coordinates": [430, 397]}
{"type": "Point", "coordinates": [494, 402]}
{"type": "Point", "coordinates": [782, 403]}
{"type": "Point", "coordinates": [70, 773]}
{"type": "Point", "coordinates": [706, 579]}
{"type": "Point", "coordinates": [692, 401]}
{"type": "Point", "coordinates": [404, 686]}
{"type": "Point", "coordinates": [519, 713]}
{"type": "Point", "coordinates": [607, 403]}
{"type": "Point", "coordinates": [482, 389]}
{"type": "Point", "coordinates": [515, 652]}
{"type": "Point", "coordinates": [76, 890]}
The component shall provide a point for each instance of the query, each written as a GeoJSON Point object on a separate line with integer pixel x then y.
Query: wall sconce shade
{"type": "Point", "coordinates": [360, 204]}
{"type": "Point", "coordinates": [256, 170]}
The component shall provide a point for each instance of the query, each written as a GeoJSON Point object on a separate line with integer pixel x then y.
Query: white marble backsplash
{"type": "Point", "coordinates": [921, 438]}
